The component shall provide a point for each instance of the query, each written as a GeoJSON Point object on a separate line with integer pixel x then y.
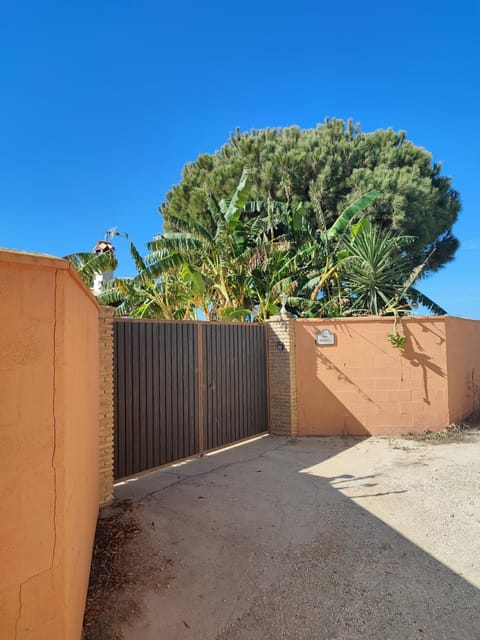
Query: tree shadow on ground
{"type": "Point", "coordinates": [274, 549]}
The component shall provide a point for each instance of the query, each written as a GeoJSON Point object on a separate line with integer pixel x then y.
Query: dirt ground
{"type": "Point", "coordinates": [310, 539]}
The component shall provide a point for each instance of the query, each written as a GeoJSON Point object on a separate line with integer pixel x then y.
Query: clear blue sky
{"type": "Point", "coordinates": [103, 103]}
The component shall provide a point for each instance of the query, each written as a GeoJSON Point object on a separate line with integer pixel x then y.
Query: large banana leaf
{"type": "Point", "coordinates": [233, 208]}
{"type": "Point", "coordinates": [341, 223]}
{"type": "Point", "coordinates": [89, 264]}
{"type": "Point", "coordinates": [194, 277]}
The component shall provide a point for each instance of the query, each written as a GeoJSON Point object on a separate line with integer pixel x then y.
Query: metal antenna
{"type": "Point", "coordinates": [113, 231]}
{"type": "Point", "coordinates": [109, 233]}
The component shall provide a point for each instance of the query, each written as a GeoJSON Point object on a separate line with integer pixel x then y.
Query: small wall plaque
{"type": "Point", "coordinates": [325, 336]}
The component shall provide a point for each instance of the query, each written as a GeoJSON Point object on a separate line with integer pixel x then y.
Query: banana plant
{"type": "Point", "coordinates": [328, 254]}
{"type": "Point", "coordinates": [89, 264]}
{"type": "Point", "coordinates": [218, 258]}
{"type": "Point", "coordinates": [162, 293]}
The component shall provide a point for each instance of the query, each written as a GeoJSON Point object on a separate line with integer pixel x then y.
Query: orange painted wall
{"type": "Point", "coordinates": [362, 385]}
{"type": "Point", "coordinates": [463, 353]}
{"type": "Point", "coordinates": [48, 446]}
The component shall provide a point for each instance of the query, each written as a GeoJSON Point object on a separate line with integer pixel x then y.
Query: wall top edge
{"type": "Point", "coordinates": [255, 325]}
{"type": "Point", "coordinates": [31, 258]}
{"type": "Point", "coordinates": [382, 319]}
{"type": "Point", "coordinates": [461, 318]}
{"type": "Point", "coordinates": [43, 260]}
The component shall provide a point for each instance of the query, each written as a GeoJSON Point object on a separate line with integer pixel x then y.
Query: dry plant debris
{"type": "Point", "coordinates": [455, 432]}
{"type": "Point", "coordinates": [109, 573]}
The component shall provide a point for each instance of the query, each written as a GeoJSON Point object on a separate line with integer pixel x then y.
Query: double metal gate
{"type": "Point", "coordinates": [182, 388]}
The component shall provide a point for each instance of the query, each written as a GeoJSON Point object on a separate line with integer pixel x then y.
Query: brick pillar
{"type": "Point", "coordinates": [106, 404]}
{"type": "Point", "coordinates": [283, 387]}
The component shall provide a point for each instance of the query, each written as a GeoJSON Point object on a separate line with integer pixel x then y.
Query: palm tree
{"type": "Point", "coordinates": [376, 277]}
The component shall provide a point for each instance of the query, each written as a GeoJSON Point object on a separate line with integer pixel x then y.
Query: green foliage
{"type": "Point", "coordinates": [89, 264]}
{"type": "Point", "coordinates": [352, 211]}
{"type": "Point", "coordinates": [228, 259]}
{"type": "Point", "coordinates": [160, 291]}
{"type": "Point", "coordinates": [237, 262]}
{"type": "Point", "coordinates": [376, 270]}
{"type": "Point", "coordinates": [323, 170]}
{"type": "Point", "coordinates": [398, 341]}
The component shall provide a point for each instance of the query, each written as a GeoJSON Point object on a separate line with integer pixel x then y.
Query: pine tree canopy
{"type": "Point", "coordinates": [326, 168]}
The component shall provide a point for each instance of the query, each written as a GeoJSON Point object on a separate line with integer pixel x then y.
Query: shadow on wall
{"type": "Point", "coordinates": [362, 385]}
{"type": "Point", "coordinates": [417, 357]}
{"type": "Point", "coordinates": [333, 413]}
{"type": "Point", "coordinates": [306, 559]}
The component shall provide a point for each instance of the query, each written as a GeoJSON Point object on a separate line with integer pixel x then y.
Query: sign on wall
{"type": "Point", "coordinates": [324, 337]}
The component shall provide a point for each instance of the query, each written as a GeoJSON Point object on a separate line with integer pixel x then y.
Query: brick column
{"type": "Point", "coordinates": [283, 387]}
{"type": "Point", "coordinates": [106, 404]}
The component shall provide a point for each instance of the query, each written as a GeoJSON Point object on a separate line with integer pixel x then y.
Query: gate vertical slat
{"type": "Point", "coordinates": [217, 408]}
{"type": "Point", "coordinates": [183, 393]}
{"type": "Point", "coordinates": [155, 391]}
{"type": "Point", "coordinates": [208, 400]}
{"type": "Point", "coordinates": [253, 390]}
{"type": "Point", "coordinates": [134, 434]}
{"type": "Point", "coordinates": [168, 393]}
{"type": "Point", "coordinates": [255, 387]}
{"type": "Point", "coordinates": [222, 351]}
{"type": "Point", "coordinates": [236, 385]}
{"type": "Point", "coordinates": [231, 426]}
{"type": "Point", "coordinates": [247, 388]}
{"type": "Point", "coordinates": [129, 407]}
{"type": "Point", "coordinates": [176, 357]}
{"type": "Point", "coordinates": [148, 393]}
{"type": "Point", "coordinates": [217, 413]}
{"type": "Point", "coordinates": [162, 369]}
{"type": "Point", "coordinates": [209, 404]}
{"type": "Point", "coordinates": [199, 383]}
{"type": "Point", "coordinates": [142, 417]}
{"type": "Point", "coordinates": [243, 381]}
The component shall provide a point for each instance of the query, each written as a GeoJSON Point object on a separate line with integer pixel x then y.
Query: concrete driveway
{"type": "Point", "coordinates": [315, 539]}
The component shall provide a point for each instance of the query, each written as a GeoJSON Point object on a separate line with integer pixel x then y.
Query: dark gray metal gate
{"type": "Point", "coordinates": [182, 388]}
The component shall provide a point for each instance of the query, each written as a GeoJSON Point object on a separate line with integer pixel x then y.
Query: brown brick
{"type": "Point", "coordinates": [106, 405]}
{"type": "Point", "coordinates": [282, 401]}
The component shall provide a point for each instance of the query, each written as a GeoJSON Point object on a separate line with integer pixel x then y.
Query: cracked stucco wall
{"type": "Point", "coordinates": [48, 446]}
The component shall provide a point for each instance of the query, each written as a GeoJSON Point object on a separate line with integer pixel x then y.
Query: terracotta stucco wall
{"type": "Point", "coordinates": [49, 474]}
{"type": "Point", "coordinates": [463, 358]}
{"type": "Point", "coordinates": [362, 385]}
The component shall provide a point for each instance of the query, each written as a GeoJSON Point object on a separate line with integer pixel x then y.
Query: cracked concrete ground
{"type": "Point", "coordinates": [315, 539]}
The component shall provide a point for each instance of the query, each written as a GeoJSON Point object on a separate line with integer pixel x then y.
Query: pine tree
{"type": "Point", "coordinates": [326, 168]}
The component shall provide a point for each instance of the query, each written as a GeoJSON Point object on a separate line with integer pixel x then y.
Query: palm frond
{"type": "Point", "coordinates": [417, 297]}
